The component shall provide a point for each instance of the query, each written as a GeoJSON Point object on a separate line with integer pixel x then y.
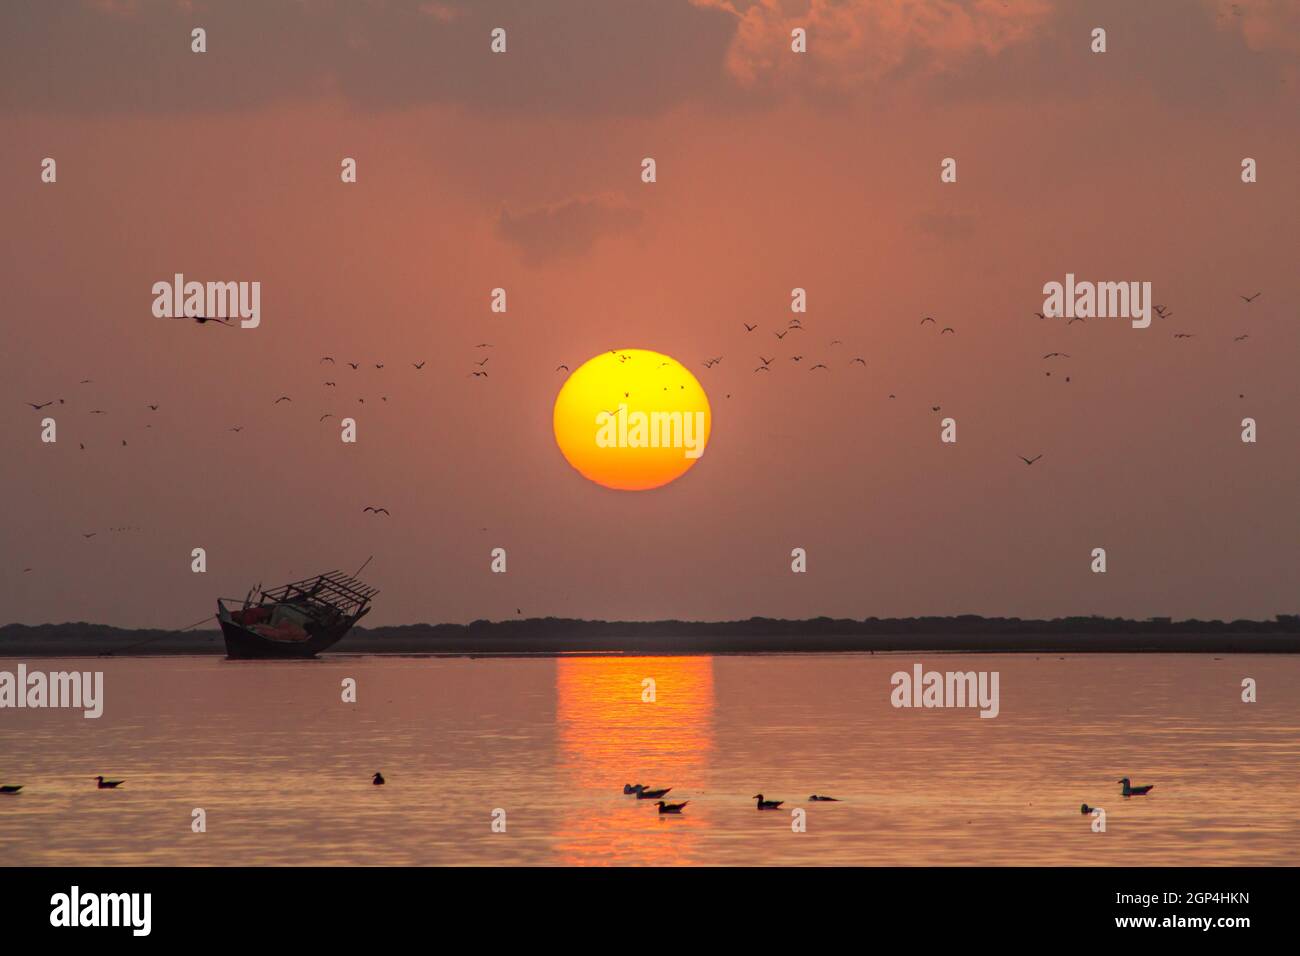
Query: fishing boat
{"type": "Point", "coordinates": [294, 620]}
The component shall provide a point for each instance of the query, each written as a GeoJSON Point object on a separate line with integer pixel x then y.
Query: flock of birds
{"type": "Point", "coordinates": [794, 330]}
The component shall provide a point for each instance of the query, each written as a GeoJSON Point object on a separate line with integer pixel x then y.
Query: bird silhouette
{"type": "Point", "coordinates": [644, 794]}
{"type": "Point", "coordinates": [1241, 338]}
{"type": "Point", "coordinates": [1249, 298]}
{"type": "Point", "coordinates": [354, 365]}
{"type": "Point", "coordinates": [928, 319]}
{"type": "Point", "coordinates": [327, 359]}
{"type": "Point", "coordinates": [103, 784]}
{"type": "Point", "coordinates": [748, 327]}
{"type": "Point", "coordinates": [1030, 461]}
{"type": "Point", "coordinates": [558, 367]}
{"type": "Point", "coordinates": [1129, 790]}
{"type": "Point", "coordinates": [766, 804]}
{"type": "Point", "coordinates": [817, 366]}
{"type": "Point", "coordinates": [377, 779]}
{"type": "Point", "coordinates": [671, 807]}
{"type": "Point", "coordinates": [418, 365]}
{"type": "Point", "coordinates": [782, 334]}
{"type": "Point", "coordinates": [378, 511]}
{"type": "Point", "coordinates": [282, 398]}
{"type": "Point", "coordinates": [43, 404]}
{"type": "Point", "coordinates": [479, 374]}
{"type": "Point", "coordinates": [947, 329]}
{"type": "Point", "coordinates": [822, 799]}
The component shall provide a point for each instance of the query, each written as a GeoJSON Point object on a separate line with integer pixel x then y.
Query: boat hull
{"type": "Point", "coordinates": [243, 644]}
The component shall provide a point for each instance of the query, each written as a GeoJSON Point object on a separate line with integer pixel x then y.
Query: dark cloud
{"type": "Point", "coordinates": [580, 56]}
{"type": "Point", "coordinates": [568, 228]}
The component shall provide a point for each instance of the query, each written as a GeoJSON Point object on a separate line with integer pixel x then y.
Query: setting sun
{"type": "Point", "coordinates": [632, 419]}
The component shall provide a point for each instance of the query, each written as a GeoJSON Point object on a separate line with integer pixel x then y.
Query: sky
{"type": "Point", "coordinates": [775, 170]}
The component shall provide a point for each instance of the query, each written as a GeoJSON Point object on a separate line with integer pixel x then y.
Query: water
{"type": "Point", "coordinates": [282, 766]}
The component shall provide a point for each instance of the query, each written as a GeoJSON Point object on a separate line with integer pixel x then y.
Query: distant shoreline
{"type": "Point", "coordinates": [553, 636]}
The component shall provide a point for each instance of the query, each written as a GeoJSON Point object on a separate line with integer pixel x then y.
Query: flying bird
{"type": "Point", "coordinates": [1241, 338]}
{"type": "Point", "coordinates": [378, 511]}
{"type": "Point", "coordinates": [479, 374]}
{"type": "Point", "coordinates": [782, 334]}
{"type": "Point", "coordinates": [40, 406]}
{"type": "Point", "coordinates": [237, 428]}
{"type": "Point", "coordinates": [558, 367]}
{"type": "Point", "coordinates": [817, 366]}
{"type": "Point", "coordinates": [327, 359]}
{"type": "Point", "coordinates": [748, 327]}
{"type": "Point", "coordinates": [355, 365]}
{"type": "Point", "coordinates": [282, 398]}
{"type": "Point", "coordinates": [1183, 335]}
{"type": "Point", "coordinates": [482, 363]}
{"type": "Point", "coordinates": [927, 319]}
{"type": "Point", "coordinates": [91, 535]}
{"type": "Point", "coordinates": [762, 368]}
{"type": "Point", "coordinates": [418, 365]}
{"type": "Point", "coordinates": [1040, 315]}
{"type": "Point", "coordinates": [483, 345]}
{"type": "Point", "coordinates": [766, 361]}
{"type": "Point", "coordinates": [857, 360]}
{"type": "Point", "coordinates": [325, 416]}
{"type": "Point", "coordinates": [1249, 298]}
{"type": "Point", "coordinates": [1057, 355]}
{"type": "Point", "coordinates": [1030, 461]}
{"type": "Point", "coordinates": [947, 329]}
{"type": "Point", "coordinates": [379, 365]}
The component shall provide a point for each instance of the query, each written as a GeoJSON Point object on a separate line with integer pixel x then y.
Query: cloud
{"type": "Point", "coordinates": [854, 44]}
{"type": "Point", "coordinates": [569, 228]}
{"type": "Point", "coordinates": [613, 57]}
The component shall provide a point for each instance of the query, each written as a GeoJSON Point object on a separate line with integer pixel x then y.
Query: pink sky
{"type": "Point", "coordinates": [775, 170]}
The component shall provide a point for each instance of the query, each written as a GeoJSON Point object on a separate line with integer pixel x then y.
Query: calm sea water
{"type": "Point", "coordinates": [282, 766]}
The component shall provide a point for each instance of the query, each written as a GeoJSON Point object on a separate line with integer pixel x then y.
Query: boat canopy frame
{"type": "Point", "coordinates": [331, 591]}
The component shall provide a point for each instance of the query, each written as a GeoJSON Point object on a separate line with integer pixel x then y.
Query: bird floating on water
{"type": "Point", "coordinates": [767, 804]}
{"type": "Point", "coordinates": [102, 784]}
{"type": "Point", "coordinates": [671, 807]}
{"type": "Point", "coordinates": [644, 794]}
{"type": "Point", "coordinates": [822, 799]}
{"type": "Point", "coordinates": [11, 788]}
{"type": "Point", "coordinates": [1085, 809]}
{"type": "Point", "coordinates": [633, 787]}
{"type": "Point", "coordinates": [378, 779]}
{"type": "Point", "coordinates": [1131, 791]}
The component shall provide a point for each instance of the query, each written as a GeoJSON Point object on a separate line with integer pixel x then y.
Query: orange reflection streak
{"type": "Point", "coordinates": [608, 737]}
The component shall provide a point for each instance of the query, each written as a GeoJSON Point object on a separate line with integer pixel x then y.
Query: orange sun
{"type": "Point", "coordinates": [632, 419]}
